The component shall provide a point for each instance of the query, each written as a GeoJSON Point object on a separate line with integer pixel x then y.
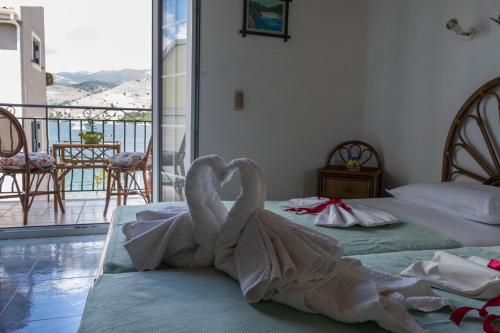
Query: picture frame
{"type": "Point", "coordinates": [266, 18]}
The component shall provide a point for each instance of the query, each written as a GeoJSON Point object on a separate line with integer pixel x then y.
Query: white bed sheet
{"type": "Point", "coordinates": [466, 232]}
{"type": "Point", "coordinates": [493, 248]}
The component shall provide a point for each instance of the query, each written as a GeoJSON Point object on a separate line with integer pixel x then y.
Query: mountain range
{"type": "Point", "coordinates": [123, 88]}
{"type": "Point", "coordinates": [112, 76]}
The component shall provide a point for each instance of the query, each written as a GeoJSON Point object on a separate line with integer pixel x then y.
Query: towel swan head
{"type": "Point", "coordinates": [208, 174]}
{"type": "Point", "coordinates": [205, 178]}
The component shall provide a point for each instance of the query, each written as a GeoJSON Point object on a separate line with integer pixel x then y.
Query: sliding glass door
{"type": "Point", "coordinates": [175, 88]}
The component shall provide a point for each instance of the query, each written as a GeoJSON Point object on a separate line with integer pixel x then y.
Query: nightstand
{"type": "Point", "coordinates": [336, 180]}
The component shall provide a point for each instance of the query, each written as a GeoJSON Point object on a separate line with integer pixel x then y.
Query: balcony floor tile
{"type": "Point", "coordinates": [77, 212]}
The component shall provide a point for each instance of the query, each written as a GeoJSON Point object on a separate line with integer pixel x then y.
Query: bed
{"type": "Point", "coordinates": [421, 230]}
{"type": "Point", "coordinates": [407, 235]}
{"type": "Point", "coordinates": [469, 153]}
{"type": "Point", "coordinates": [204, 300]}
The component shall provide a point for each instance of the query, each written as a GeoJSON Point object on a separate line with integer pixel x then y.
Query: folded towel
{"type": "Point", "coordinates": [467, 276]}
{"type": "Point", "coordinates": [358, 214]}
{"type": "Point", "coordinates": [148, 219]}
{"type": "Point", "coordinates": [303, 202]}
{"type": "Point", "coordinates": [272, 258]}
{"type": "Point", "coordinates": [336, 213]}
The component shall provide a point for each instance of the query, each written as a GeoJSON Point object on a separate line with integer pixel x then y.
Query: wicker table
{"type": "Point", "coordinates": [70, 156]}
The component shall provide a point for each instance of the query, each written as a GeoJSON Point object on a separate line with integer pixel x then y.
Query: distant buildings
{"type": "Point", "coordinates": [22, 50]}
{"type": "Point", "coordinates": [22, 66]}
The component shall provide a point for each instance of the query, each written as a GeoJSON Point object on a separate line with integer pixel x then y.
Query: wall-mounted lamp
{"type": "Point", "coordinates": [496, 20]}
{"type": "Point", "coordinates": [454, 26]}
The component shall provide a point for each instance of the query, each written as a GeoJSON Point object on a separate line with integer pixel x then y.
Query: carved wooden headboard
{"type": "Point", "coordinates": [473, 145]}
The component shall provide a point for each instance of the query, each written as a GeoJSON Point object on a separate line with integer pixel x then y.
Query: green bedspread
{"type": "Point", "coordinates": [390, 238]}
{"type": "Point", "coordinates": [204, 300]}
{"type": "Point", "coordinates": [356, 240]}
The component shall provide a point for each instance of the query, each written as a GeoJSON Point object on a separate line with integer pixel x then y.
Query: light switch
{"type": "Point", "coordinates": [238, 100]}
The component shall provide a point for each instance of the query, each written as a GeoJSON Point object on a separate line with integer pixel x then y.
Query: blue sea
{"type": "Point", "coordinates": [270, 24]}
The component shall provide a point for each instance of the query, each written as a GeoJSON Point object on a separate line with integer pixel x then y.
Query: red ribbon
{"type": "Point", "coordinates": [458, 315]}
{"type": "Point", "coordinates": [487, 324]}
{"type": "Point", "coordinates": [321, 207]}
{"type": "Point", "coordinates": [494, 264]}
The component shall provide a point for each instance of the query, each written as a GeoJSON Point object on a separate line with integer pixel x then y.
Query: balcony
{"type": "Point", "coordinates": [128, 128]}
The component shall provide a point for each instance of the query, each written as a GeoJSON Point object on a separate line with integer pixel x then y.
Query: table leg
{"type": "Point", "coordinates": [54, 175]}
{"type": "Point", "coordinates": [63, 186]}
{"type": "Point", "coordinates": [118, 176]}
{"type": "Point", "coordinates": [125, 188]}
{"type": "Point", "coordinates": [57, 194]}
{"type": "Point", "coordinates": [54, 155]}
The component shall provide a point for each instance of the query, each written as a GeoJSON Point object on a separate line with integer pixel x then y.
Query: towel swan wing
{"type": "Point", "coordinates": [264, 251]}
{"type": "Point", "coordinates": [274, 258]}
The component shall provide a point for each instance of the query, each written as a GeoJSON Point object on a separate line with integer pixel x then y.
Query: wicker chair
{"type": "Point", "coordinates": [15, 160]}
{"type": "Point", "coordinates": [128, 164]}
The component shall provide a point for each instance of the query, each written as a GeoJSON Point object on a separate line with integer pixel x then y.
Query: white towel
{"type": "Point", "coordinates": [275, 258]}
{"type": "Point", "coordinates": [467, 276]}
{"type": "Point", "coordinates": [147, 220]}
{"type": "Point", "coordinates": [186, 239]}
{"type": "Point", "coordinates": [303, 202]}
{"type": "Point", "coordinates": [336, 216]}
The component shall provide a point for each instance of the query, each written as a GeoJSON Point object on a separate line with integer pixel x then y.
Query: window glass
{"type": "Point", "coordinates": [36, 51]}
{"type": "Point", "coordinates": [176, 98]}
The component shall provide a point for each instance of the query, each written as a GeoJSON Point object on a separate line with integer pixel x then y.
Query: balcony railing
{"type": "Point", "coordinates": [48, 124]}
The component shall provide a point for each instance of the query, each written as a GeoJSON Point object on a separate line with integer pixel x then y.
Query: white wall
{"type": "Point", "coordinates": [418, 75]}
{"type": "Point", "coordinates": [302, 97]}
{"type": "Point", "coordinates": [10, 65]}
{"type": "Point", "coordinates": [34, 80]}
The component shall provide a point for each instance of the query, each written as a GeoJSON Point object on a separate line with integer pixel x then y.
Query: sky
{"type": "Point", "coordinates": [94, 35]}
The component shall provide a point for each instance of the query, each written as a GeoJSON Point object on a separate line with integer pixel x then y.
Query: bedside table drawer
{"type": "Point", "coordinates": [346, 188]}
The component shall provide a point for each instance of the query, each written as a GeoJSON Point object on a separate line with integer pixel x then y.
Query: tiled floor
{"type": "Point", "coordinates": [44, 282]}
{"type": "Point", "coordinates": [42, 212]}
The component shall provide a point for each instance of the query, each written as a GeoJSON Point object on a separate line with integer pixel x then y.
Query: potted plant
{"type": "Point", "coordinates": [90, 136]}
{"type": "Point", "coordinates": [353, 163]}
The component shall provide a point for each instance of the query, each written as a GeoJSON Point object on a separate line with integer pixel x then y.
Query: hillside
{"type": "Point", "coordinates": [95, 87]}
{"type": "Point", "coordinates": [131, 94]}
{"type": "Point", "coordinates": [125, 88]}
{"type": "Point", "coordinates": [58, 94]}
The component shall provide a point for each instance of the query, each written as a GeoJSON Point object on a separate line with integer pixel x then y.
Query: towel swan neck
{"type": "Point", "coordinates": [203, 183]}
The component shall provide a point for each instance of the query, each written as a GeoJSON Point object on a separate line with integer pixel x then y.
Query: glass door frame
{"type": "Point", "coordinates": [157, 87]}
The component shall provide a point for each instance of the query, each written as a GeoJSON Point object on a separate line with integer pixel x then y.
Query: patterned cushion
{"type": "Point", "coordinates": [126, 160]}
{"type": "Point", "coordinates": [37, 161]}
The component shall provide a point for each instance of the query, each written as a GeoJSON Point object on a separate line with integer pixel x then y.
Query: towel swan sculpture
{"type": "Point", "coordinates": [271, 257]}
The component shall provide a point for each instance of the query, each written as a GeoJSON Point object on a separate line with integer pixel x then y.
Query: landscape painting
{"type": "Point", "coordinates": [266, 17]}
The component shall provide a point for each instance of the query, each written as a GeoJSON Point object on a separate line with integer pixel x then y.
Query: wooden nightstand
{"type": "Point", "coordinates": [338, 181]}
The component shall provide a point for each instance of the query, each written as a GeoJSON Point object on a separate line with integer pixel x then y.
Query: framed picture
{"type": "Point", "coordinates": [266, 18]}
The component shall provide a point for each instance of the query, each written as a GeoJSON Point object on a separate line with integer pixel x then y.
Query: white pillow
{"type": "Point", "coordinates": [470, 201]}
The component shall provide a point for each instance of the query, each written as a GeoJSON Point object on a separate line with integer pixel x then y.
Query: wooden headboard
{"type": "Point", "coordinates": [473, 145]}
